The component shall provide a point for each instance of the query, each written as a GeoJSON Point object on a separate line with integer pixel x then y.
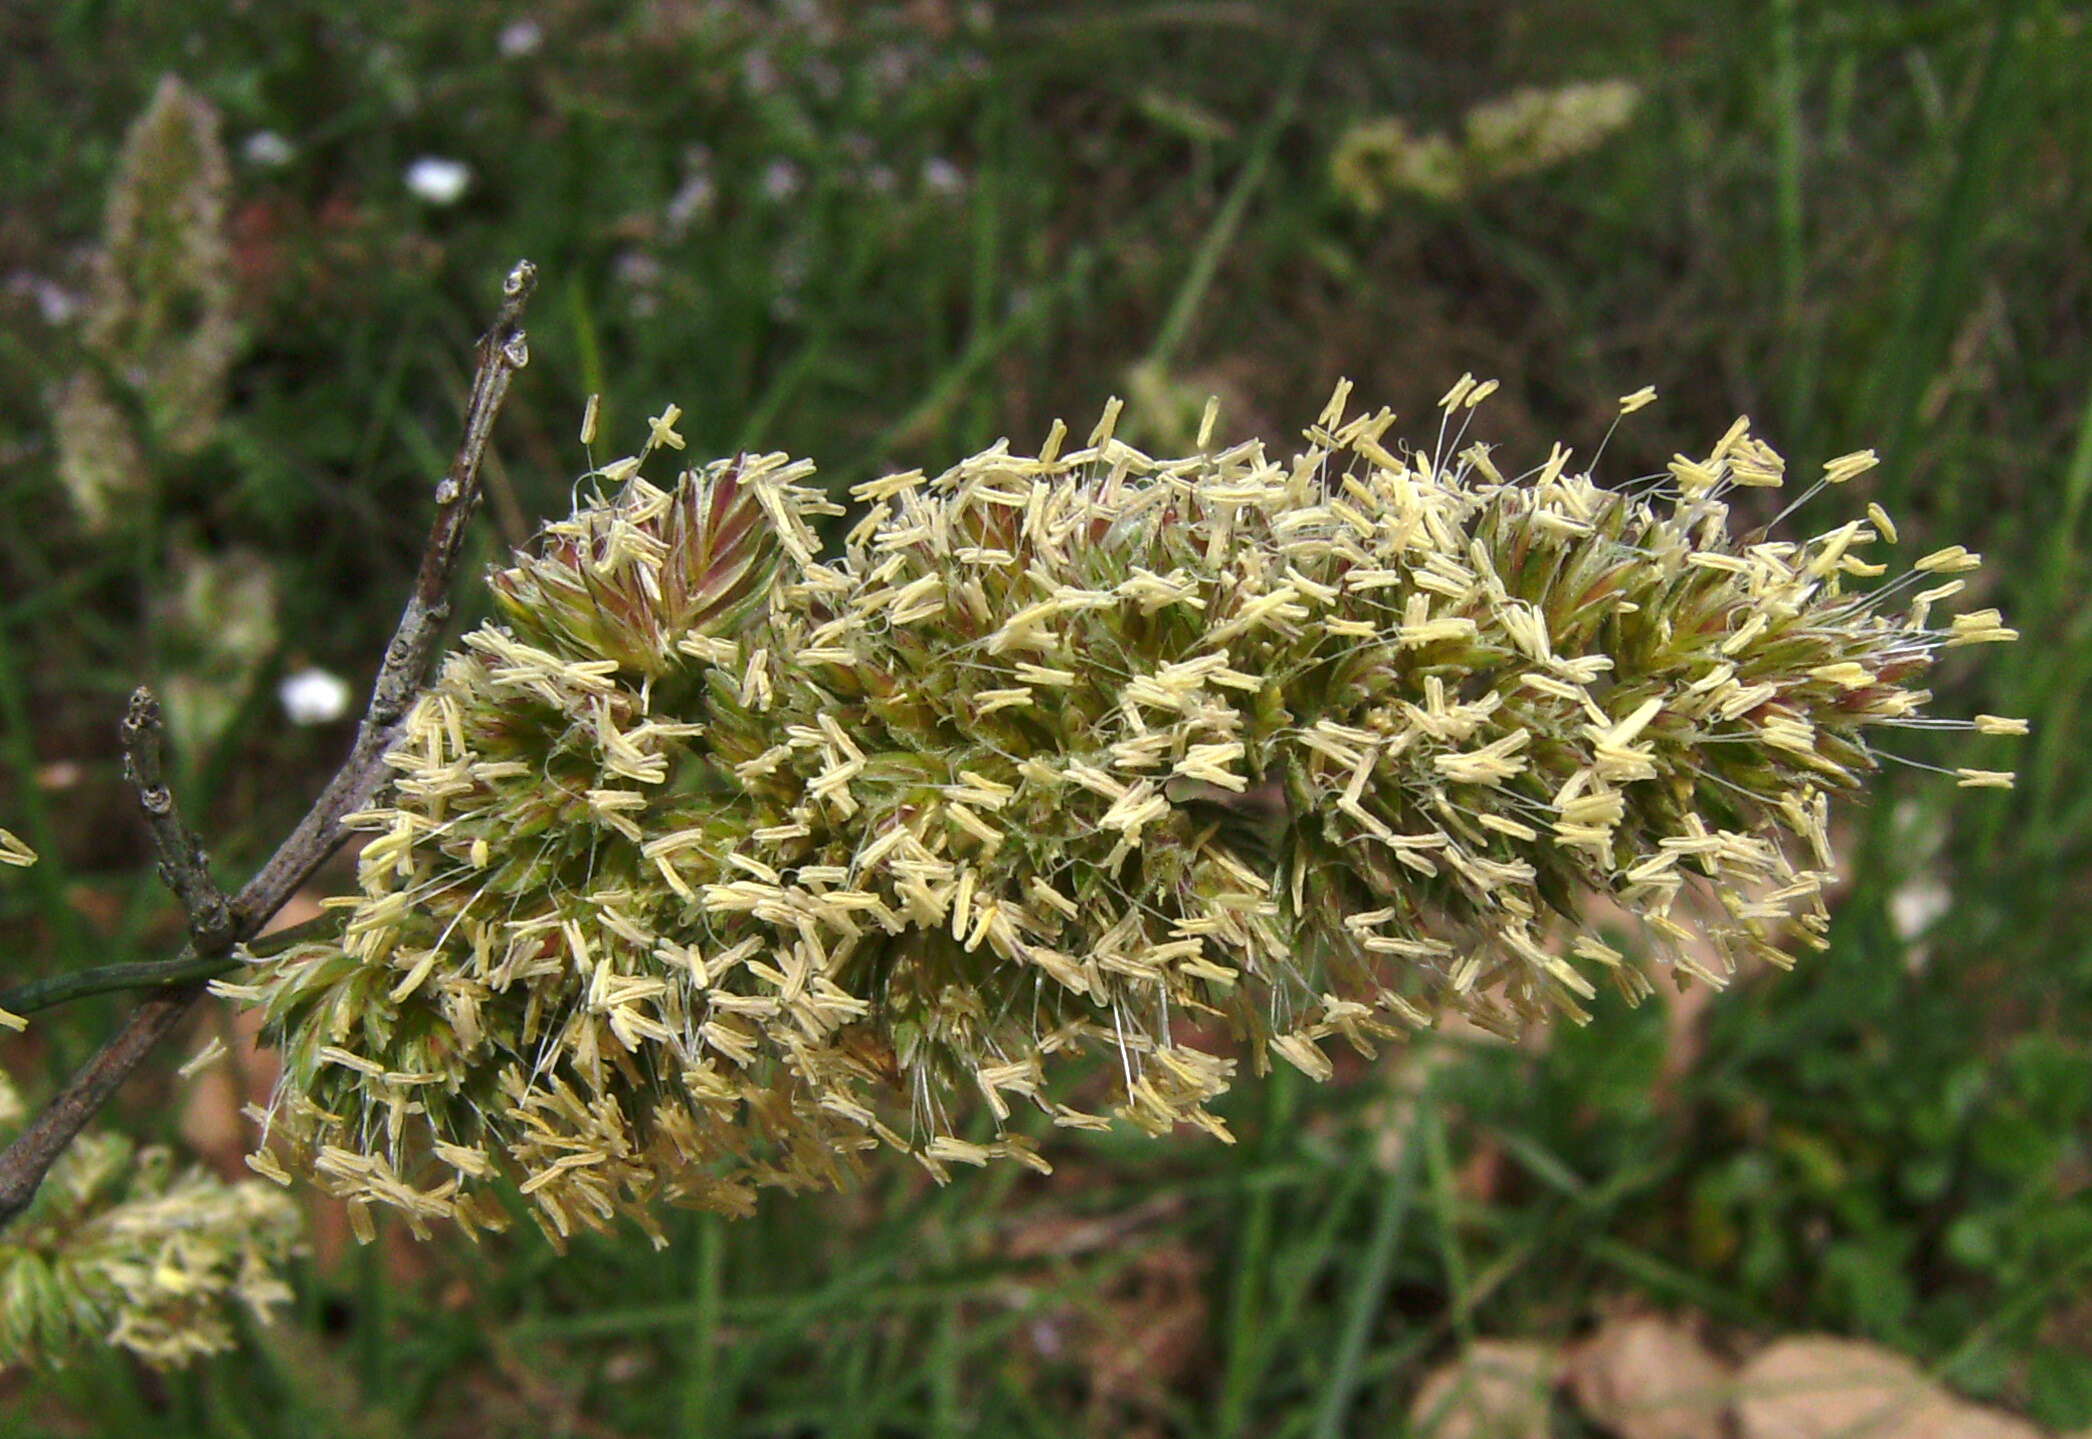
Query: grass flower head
{"type": "Point", "coordinates": [713, 864]}
{"type": "Point", "coordinates": [119, 1248]}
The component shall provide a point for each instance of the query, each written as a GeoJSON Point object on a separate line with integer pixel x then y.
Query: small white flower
{"type": "Point", "coordinates": [891, 68]}
{"type": "Point", "coordinates": [641, 274]}
{"type": "Point", "coordinates": [781, 179]}
{"type": "Point", "coordinates": [56, 304]}
{"type": "Point", "coordinates": [314, 696]}
{"type": "Point", "coordinates": [519, 38]}
{"type": "Point", "coordinates": [759, 73]}
{"type": "Point", "coordinates": [1918, 905]}
{"type": "Point", "coordinates": [267, 150]}
{"type": "Point", "coordinates": [696, 196]}
{"type": "Point", "coordinates": [438, 180]}
{"type": "Point", "coordinates": [942, 177]}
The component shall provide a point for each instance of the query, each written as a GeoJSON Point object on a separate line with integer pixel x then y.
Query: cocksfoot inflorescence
{"type": "Point", "coordinates": [712, 863]}
{"type": "Point", "coordinates": [119, 1247]}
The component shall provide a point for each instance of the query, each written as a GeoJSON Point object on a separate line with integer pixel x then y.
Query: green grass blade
{"type": "Point", "coordinates": [1369, 1289]}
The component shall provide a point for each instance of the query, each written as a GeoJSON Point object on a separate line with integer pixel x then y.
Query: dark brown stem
{"type": "Point", "coordinates": [60, 1121]}
{"type": "Point", "coordinates": [184, 868]}
{"type": "Point", "coordinates": [408, 660]}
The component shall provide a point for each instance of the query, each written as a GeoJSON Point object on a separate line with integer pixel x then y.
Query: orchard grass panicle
{"type": "Point", "coordinates": [117, 1248]}
{"type": "Point", "coordinates": [1378, 163]}
{"type": "Point", "coordinates": [713, 864]}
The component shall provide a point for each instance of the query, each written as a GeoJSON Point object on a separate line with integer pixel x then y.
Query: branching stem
{"type": "Point", "coordinates": [216, 926]}
{"type": "Point", "coordinates": [184, 868]}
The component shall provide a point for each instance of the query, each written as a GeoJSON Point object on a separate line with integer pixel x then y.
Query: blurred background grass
{"type": "Point", "coordinates": [885, 234]}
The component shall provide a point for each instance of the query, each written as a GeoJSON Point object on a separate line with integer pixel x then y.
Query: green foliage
{"type": "Point", "coordinates": [1849, 220]}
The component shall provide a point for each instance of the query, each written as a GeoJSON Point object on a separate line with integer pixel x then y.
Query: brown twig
{"type": "Point", "coordinates": [184, 868]}
{"type": "Point", "coordinates": [408, 659]}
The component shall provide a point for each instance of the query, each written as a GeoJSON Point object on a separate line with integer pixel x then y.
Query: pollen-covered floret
{"type": "Point", "coordinates": [713, 864]}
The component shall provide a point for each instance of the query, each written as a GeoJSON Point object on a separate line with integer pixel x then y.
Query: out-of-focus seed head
{"type": "Point", "coordinates": [712, 865]}
{"type": "Point", "coordinates": [161, 319]}
{"type": "Point", "coordinates": [162, 310]}
{"type": "Point", "coordinates": [1379, 161]}
{"type": "Point", "coordinates": [117, 1248]}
